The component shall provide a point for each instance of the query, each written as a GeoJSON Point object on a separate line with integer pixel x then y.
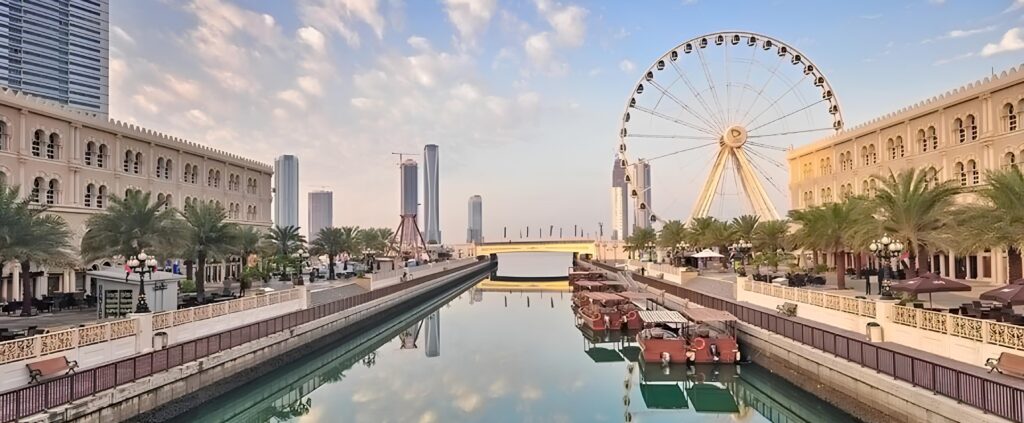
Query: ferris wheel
{"type": "Point", "coordinates": [720, 108]}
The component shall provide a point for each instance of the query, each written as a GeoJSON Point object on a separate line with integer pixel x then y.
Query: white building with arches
{"type": "Point", "coordinates": [72, 161]}
{"type": "Point", "coordinates": [957, 135]}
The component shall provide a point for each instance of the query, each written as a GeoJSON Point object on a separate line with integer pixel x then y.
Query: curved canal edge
{"type": "Point", "coordinates": [192, 383]}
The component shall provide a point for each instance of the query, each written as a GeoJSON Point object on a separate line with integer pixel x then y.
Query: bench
{"type": "Point", "coordinates": [788, 309]}
{"type": "Point", "coordinates": [1010, 364]}
{"type": "Point", "coordinates": [50, 367]}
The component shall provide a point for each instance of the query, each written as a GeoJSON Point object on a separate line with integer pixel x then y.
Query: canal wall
{"type": "Point", "coordinates": [233, 366]}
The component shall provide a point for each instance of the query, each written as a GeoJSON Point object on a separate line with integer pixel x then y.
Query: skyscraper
{"type": "Point", "coordinates": [286, 190]}
{"type": "Point", "coordinates": [642, 195]}
{"type": "Point", "coordinates": [321, 212]}
{"type": "Point", "coordinates": [431, 206]}
{"type": "Point", "coordinates": [409, 188]}
{"type": "Point", "coordinates": [57, 50]}
{"type": "Point", "coordinates": [620, 202]}
{"type": "Point", "coordinates": [475, 233]}
{"type": "Point", "coordinates": [408, 240]}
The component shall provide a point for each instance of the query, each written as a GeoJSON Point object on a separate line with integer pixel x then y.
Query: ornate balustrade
{"type": "Point", "coordinates": [188, 315]}
{"type": "Point", "coordinates": [981, 330]}
{"type": "Point", "coordinates": [843, 303]}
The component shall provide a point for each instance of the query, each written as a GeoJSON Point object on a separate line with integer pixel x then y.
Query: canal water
{"type": "Point", "coordinates": [505, 352]}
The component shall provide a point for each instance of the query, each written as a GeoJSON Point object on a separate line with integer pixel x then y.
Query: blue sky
{"type": "Point", "coordinates": [523, 97]}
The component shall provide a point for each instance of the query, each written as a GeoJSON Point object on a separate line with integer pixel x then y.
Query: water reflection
{"type": "Point", "coordinates": [511, 356]}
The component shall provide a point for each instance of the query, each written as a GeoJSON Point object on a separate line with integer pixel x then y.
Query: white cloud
{"type": "Point", "coordinates": [119, 34]}
{"type": "Point", "coordinates": [143, 103]}
{"type": "Point", "coordinates": [1012, 40]}
{"type": "Point", "coordinates": [626, 66]}
{"type": "Point", "coordinates": [199, 118]}
{"type": "Point", "coordinates": [470, 16]}
{"type": "Point", "coordinates": [940, 2]}
{"type": "Point", "coordinates": [310, 85]}
{"type": "Point", "coordinates": [961, 33]}
{"type": "Point", "coordinates": [1016, 5]}
{"type": "Point", "coordinates": [340, 16]}
{"type": "Point", "coordinates": [956, 58]}
{"type": "Point", "coordinates": [187, 89]}
{"type": "Point", "coordinates": [293, 97]}
{"type": "Point", "coordinates": [313, 38]}
{"type": "Point", "coordinates": [418, 43]}
{"type": "Point", "coordinates": [568, 21]}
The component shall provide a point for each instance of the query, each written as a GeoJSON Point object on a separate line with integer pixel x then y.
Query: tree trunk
{"type": "Point", "coordinates": [1015, 270]}
{"type": "Point", "coordinates": [814, 259]}
{"type": "Point", "coordinates": [922, 260]}
{"type": "Point", "coordinates": [840, 272]}
{"type": "Point", "coordinates": [330, 267]}
{"type": "Point", "coordinates": [189, 274]}
{"type": "Point", "coordinates": [201, 278]}
{"type": "Point", "coordinates": [28, 285]}
{"type": "Point", "coordinates": [857, 263]}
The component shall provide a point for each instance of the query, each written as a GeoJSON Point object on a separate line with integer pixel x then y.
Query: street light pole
{"type": "Point", "coordinates": [885, 249]}
{"type": "Point", "coordinates": [142, 265]}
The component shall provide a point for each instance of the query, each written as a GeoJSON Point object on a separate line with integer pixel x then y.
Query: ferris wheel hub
{"type": "Point", "coordinates": [735, 136]}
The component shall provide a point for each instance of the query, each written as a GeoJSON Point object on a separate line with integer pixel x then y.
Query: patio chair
{"type": "Point", "coordinates": [918, 305]}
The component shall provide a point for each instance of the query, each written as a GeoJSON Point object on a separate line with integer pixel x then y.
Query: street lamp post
{"type": "Point", "coordinates": [885, 249]}
{"type": "Point", "coordinates": [142, 265]}
{"type": "Point", "coordinates": [741, 249]}
{"type": "Point", "coordinates": [301, 257]}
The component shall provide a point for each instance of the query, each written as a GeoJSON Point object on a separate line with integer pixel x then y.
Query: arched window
{"type": "Point", "coordinates": [37, 142]}
{"type": "Point", "coordinates": [186, 175]}
{"type": "Point", "coordinates": [1010, 116]}
{"type": "Point", "coordinates": [168, 168]}
{"type": "Point", "coordinates": [137, 163]}
{"type": "Point", "coordinates": [101, 155]}
{"type": "Point", "coordinates": [890, 145]}
{"type": "Point", "coordinates": [160, 168]}
{"type": "Point", "coordinates": [101, 197]}
{"type": "Point", "coordinates": [959, 130]}
{"type": "Point", "coordinates": [934, 137]}
{"type": "Point", "coordinates": [53, 192]}
{"type": "Point", "coordinates": [160, 198]}
{"type": "Point", "coordinates": [864, 187]}
{"type": "Point", "coordinates": [3, 179]}
{"type": "Point", "coordinates": [873, 186]}
{"type": "Point", "coordinates": [1009, 160]}
{"type": "Point", "coordinates": [129, 158]}
{"type": "Point", "coordinates": [195, 174]}
{"type": "Point", "coordinates": [90, 153]}
{"type": "Point", "coordinates": [37, 187]}
{"type": "Point", "coordinates": [874, 154]}
{"type": "Point", "coordinates": [209, 178]}
{"type": "Point", "coordinates": [53, 147]}
{"type": "Point", "coordinates": [828, 165]}
{"type": "Point", "coordinates": [972, 126]}
{"type": "Point", "coordinates": [972, 168]}
{"type": "Point", "coordinates": [216, 179]}
{"type": "Point", "coordinates": [169, 201]}
{"type": "Point", "coordinates": [900, 149]}
{"type": "Point", "coordinates": [90, 193]}
{"type": "Point", "coordinates": [865, 155]}
{"type": "Point", "coordinates": [4, 136]}
{"type": "Point", "coordinates": [931, 177]}
{"type": "Point", "coordinates": [960, 171]}
{"type": "Point", "coordinates": [922, 140]}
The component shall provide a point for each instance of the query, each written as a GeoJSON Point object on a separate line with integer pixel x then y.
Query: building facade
{"type": "Point", "coordinates": [286, 190]}
{"type": "Point", "coordinates": [73, 161]}
{"type": "Point", "coordinates": [958, 136]}
{"type": "Point", "coordinates": [57, 50]}
{"type": "Point", "coordinates": [431, 199]}
{"type": "Point", "coordinates": [620, 203]}
{"type": "Point", "coordinates": [321, 212]}
{"type": "Point", "coordinates": [475, 231]}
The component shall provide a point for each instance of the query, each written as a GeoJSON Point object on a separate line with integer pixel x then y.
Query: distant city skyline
{"type": "Point", "coordinates": [525, 97]}
{"type": "Point", "coordinates": [475, 217]}
{"type": "Point", "coordinates": [431, 194]}
{"type": "Point", "coordinates": [321, 212]}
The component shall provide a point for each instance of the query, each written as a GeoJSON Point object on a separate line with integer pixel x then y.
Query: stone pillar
{"type": "Point", "coordinates": [883, 311]}
{"type": "Point", "coordinates": [305, 297]}
{"type": "Point", "coordinates": [144, 336]}
{"type": "Point", "coordinates": [738, 291]}
{"type": "Point", "coordinates": [15, 282]}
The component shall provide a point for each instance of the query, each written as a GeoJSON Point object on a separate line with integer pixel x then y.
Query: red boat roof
{"type": "Point", "coordinates": [602, 296]}
{"type": "Point", "coordinates": [589, 284]}
{"type": "Point", "coordinates": [638, 295]}
{"type": "Point", "coordinates": [708, 315]}
{"type": "Point", "coordinates": [661, 316]}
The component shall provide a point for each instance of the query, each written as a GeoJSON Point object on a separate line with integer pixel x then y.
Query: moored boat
{"type": "Point", "coordinates": [600, 310]}
{"type": "Point", "coordinates": [668, 337]}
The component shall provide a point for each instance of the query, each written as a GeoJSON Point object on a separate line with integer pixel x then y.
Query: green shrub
{"type": "Point", "coordinates": [187, 286]}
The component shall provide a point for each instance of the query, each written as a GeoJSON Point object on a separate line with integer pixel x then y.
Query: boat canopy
{"type": "Point", "coordinates": [663, 396]}
{"type": "Point", "coordinates": [602, 296]}
{"type": "Point", "coordinates": [661, 316]}
{"type": "Point", "coordinates": [589, 284]}
{"type": "Point", "coordinates": [638, 295]}
{"type": "Point", "coordinates": [701, 315]}
{"type": "Point", "coordinates": [604, 355]}
{"type": "Point", "coordinates": [613, 283]}
{"type": "Point", "coordinates": [708, 398]}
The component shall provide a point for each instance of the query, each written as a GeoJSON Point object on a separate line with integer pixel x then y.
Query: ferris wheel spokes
{"type": "Point", "coordinates": [708, 125]}
{"type": "Point", "coordinates": [696, 94]}
{"type": "Point", "coordinates": [655, 113]}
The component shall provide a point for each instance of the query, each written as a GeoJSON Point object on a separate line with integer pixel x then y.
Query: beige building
{"type": "Point", "coordinates": [73, 161]}
{"type": "Point", "coordinates": [957, 136]}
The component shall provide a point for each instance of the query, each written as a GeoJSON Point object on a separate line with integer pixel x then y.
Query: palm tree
{"type": "Point", "coordinates": [770, 235]}
{"type": "Point", "coordinates": [131, 225]}
{"type": "Point", "coordinates": [672, 236]}
{"type": "Point", "coordinates": [831, 227]}
{"type": "Point", "coordinates": [374, 240]}
{"type": "Point", "coordinates": [700, 228]}
{"type": "Point", "coordinates": [910, 208]}
{"type": "Point", "coordinates": [286, 241]}
{"type": "Point", "coordinates": [743, 227]}
{"type": "Point", "coordinates": [247, 242]}
{"type": "Point", "coordinates": [30, 236]}
{"type": "Point", "coordinates": [643, 240]}
{"type": "Point", "coordinates": [209, 236]}
{"type": "Point", "coordinates": [333, 242]}
{"type": "Point", "coordinates": [998, 220]}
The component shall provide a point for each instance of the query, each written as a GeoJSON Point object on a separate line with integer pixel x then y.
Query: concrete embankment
{"type": "Point", "coordinates": [165, 395]}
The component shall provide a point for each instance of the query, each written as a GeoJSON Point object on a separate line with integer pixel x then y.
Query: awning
{"type": "Point", "coordinates": [701, 315]}
{"type": "Point", "coordinates": [602, 296]}
{"type": "Point", "coordinates": [604, 355]}
{"type": "Point", "coordinates": [708, 398]}
{"type": "Point", "coordinates": [588, 284]}
{"type": "Point", "coordinates": [661, 316]}
{"type": "Point", "coordinates": [638, 295]}
{"type": "Point", "coordinates": [663, 397]}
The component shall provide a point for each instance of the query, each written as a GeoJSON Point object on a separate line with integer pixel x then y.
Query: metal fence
{"type": "Point", "coordinates": [55, 392]}
{"type": "Point", "coordinates": [966, 387]}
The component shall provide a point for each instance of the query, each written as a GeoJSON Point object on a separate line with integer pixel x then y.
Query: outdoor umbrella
{"type": "Point", "coordinates": [707, 254]}
{"type": "Point", "coordinates": [1012, 294]}
{"type": "Point", "coordinates": [928, 283]}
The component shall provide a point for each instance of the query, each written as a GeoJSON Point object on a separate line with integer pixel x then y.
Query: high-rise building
{"type": "Point", "coordinates": [475, 233]}
{"type": "Point", "coordinates": [620, 202]}
{"type": "Point", "coordinates": [409, 188]}
{"type": "Point", "coordinates": [286, 190]}
{"type": "Point", "coordinates": [642, 197]}
{"type": "Point", "coordinates": [408, 240]}
{"type": "Point", "coordinates": [57, 50]}
{"type": "Point", "coordinates": [321, 212]}
{"type": "Point", "coordinates": [431, 206]}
